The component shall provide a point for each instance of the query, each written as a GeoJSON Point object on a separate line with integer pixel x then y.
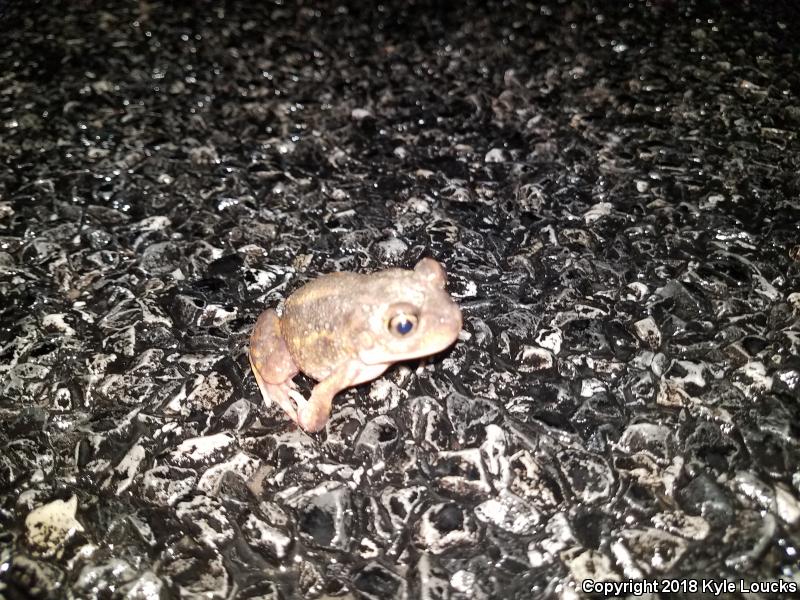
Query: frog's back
{"type": "Point", "coordinates": [317, 320]}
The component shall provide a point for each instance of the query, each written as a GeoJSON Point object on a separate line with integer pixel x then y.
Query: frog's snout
{"type": "Point", "coordinates": [445, 326]}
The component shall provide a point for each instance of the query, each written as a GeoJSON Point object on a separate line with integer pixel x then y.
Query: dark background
{"type": "Point", "coordinates": [614, 192]}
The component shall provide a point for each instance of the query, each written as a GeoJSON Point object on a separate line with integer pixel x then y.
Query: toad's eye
{"type": "Point", "coordinates": [402, 324]}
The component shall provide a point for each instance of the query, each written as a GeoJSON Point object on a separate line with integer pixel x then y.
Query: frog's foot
{"type": "Point", "coordinates": [293, 403]}
{"type": "Point", "coordinates": [311, 414]}
{"type": "Point", "coordinates": [284, 395]}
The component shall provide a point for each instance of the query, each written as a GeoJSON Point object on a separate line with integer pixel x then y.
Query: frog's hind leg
{"type": "Point", "coordinates": [314, 414]}
{"type": "Point", "coordinates": [272, 364]}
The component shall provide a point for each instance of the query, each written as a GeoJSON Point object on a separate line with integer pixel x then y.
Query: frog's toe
{"type": "Point", "coordinates": [299, 400]}
{"type": "Point", "coordinates": [282, 395]}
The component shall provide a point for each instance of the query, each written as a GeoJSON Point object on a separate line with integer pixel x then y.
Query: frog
{"type": "Point", "coordinates": [343, 329]}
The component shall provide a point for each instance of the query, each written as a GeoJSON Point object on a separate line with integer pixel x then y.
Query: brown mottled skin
{"type": "Point", "coordinates": [343, 329]}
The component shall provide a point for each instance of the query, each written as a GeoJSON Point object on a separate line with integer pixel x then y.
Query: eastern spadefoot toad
{"type": "Point", "coordinates": [343, 329]}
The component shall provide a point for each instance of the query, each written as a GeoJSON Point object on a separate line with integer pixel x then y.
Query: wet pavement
{"type": "Point", "coordinates": [613, 191]}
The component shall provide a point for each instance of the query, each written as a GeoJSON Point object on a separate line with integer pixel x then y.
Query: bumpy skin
{"type": "Point", "coordinates": [344, 329]}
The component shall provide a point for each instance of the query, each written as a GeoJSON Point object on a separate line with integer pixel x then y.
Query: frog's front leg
{"type": "Point", "coordinates": [313, 414]}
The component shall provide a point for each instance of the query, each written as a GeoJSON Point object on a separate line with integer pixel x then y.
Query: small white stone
{"type": "Point", "coordinates": [711, 201]}
{"type": "Point", "coordinates": [550, 339]}
{"type": "Point", "coordinates": [636, 291]}
{"type": "Point", "coordinates": [510, 513]}
{"type": "Point", "coordinates": [536, 558]}
{"type": "Point", "coordinates": [794, 300]}
{"type": "Point", "coordinates": [462, 581]}
{"type": "Point", "coordinates": [686, 526]}
{"type": "Point", "coordinates": [647, 331]}
{"type": "Point", "coordinates": [56, 321]}
{"type": "Point", "coordinates": [787, 505]}
{"type": "Point", "coordinates": [201, 448]}
{"type": "Point", "coordinates": [592, 386]}
{"type": "Point", "coordinates": [359, 114]}
{"type": "Point", "coordinates": [534, 359]}
{"type": "Point", "coordinates": [128, 467]}
{"type": "Point", "coordinates": [153, 224]}
{"type": "Point", "coordinates": [240, 463]}
{"type": "Point", "coordinates": [50, 525]}
{"type": "Point", "coordinates": [495, 155]}
{"type": "Point", "coordinates": [694, 373]}
{"type": "Point", "coordinates": [752, 378]}
{"type": "Point", "coordinates": [419, 205]}
{"type": "Point", "coordinates": [391, 248]}
{"type": "Point", "coordinates": [597, 212]}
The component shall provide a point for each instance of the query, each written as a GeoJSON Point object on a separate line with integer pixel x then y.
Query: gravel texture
{"type": "Point", "coordinates": [614, 190]}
